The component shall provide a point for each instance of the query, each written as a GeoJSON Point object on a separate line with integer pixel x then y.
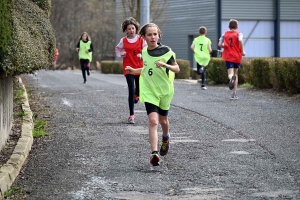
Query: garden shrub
{"type": "Point", "coordinates": [111, 67]}
{"type": "Point", "coordinates": [6, 30]}
{"type": "Point", "coordinates": [32, 39]}
{"type": "Point", "coordinates": [261, 73]}
{"type": "Point", "coordinates": [216, 71]}
{"type": "Point", "coordinates": [44, 5]}
{"type": "Point", "coordinates": [184, 66]}
{"type": "Point", "coordinates": [245, 73]}
{"type": "Point", "coordinates": [277, 74]}
{"type": "Point", "coordinates": [291, 75]}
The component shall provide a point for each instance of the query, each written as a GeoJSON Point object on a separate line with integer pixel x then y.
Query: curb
{"type": "Point", "coordinates": [10, 170]}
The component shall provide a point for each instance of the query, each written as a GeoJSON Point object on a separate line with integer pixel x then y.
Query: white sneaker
{"type": "Point", "coordinates": [204, 88]}
{"type": "Point", "coordinates": [234, 97]}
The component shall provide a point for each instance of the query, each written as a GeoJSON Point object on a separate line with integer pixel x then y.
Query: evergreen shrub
{"type": "Point", "coordinates": [32, 42]}
{"type": "Point", "coordinates": [111, 67]}
{"type": "Point", "coordinates": [184, 66]}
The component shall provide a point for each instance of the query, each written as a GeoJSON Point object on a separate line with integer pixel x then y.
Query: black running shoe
{"type": "Point", "coordinates": [231, 82]}
{"type": "Point", "coordinates": [154, 159]}
{"type": "Point", "coordinates": [164, 148]}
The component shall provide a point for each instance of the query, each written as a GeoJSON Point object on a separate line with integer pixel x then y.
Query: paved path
{"type": "Point", "coordinates": [221, 149]}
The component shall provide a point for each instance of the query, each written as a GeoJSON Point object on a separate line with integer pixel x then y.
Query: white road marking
{"type": "Point", "coordinates": [140, 111]}
{"type": "Point", "coordinates": [238, 140]}
{"type": "Point", "coordinates": [240, 152]}
{"type": "Point", "coordinates": [66, 102]}
{"type": "Point", "coordinates": [183, 141]}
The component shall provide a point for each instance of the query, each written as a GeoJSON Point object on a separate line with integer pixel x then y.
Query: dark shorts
{"type": "Point", "coordinates": [153, 108]}
{"type": "Point", "coordinates": [232, 65]}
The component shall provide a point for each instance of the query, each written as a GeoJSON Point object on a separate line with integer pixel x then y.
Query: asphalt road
{"type": "Point", "coordinates": [221, 149]}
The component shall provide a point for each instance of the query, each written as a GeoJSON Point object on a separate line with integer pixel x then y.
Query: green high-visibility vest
{"type": "Point", "coordinates": [156, 84]}
{"type": "Point", "coordinates": [201, 54]}
{"type": "Point", "coordinates": [82, 50]}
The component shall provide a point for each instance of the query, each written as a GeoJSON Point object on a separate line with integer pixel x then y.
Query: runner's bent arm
{"type": "Point", "coordinates": [174, 67]}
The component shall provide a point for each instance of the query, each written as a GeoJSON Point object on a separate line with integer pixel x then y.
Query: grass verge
{"type": "Point", "coordinates": [40, 127]}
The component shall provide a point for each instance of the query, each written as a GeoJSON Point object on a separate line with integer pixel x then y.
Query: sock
{"type": "Point", "coordinates": [165, 138]}
{"type": "Point", "coordinates": [230, 76]}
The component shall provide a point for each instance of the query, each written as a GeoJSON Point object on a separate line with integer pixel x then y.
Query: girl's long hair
{"type": "Point", "coordinates": [88, 36]}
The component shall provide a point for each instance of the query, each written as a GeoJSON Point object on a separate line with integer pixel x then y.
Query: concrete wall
{"type": "Point", "coordinates": [6, 109]}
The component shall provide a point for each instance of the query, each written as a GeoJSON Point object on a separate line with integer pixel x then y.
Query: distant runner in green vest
{"type": "Point", "coordinates": [201, 47]}
{"type": "Point", "coordinates": [156, 86]}
{"type": "Point", "coordinates": [85, 49]}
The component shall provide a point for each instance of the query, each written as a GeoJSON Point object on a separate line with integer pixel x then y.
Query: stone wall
{"type": "Point", "coordinates": [6, 109]}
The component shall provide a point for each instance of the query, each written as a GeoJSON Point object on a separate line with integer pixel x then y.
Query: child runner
{"type": "Point", "coordinates": [201, 47]}
{"type": "Point", "coordinates": [232, 42]}
{"type": "Point", "coordinates": [55, 59]}
{"type": "Point", "coordinates": [85, 49]}
{"type": "Point", "coordinates": [130, 48]}
{"type": "Point", "coordinates": [156, 87]}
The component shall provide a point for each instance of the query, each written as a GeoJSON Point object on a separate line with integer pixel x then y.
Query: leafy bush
{"type": "Point", "coordinates": [216, 71]}
{"type": "Point", "coordinates": [44, 5]}
{"type": "Point", "coordinates": [261, 73]}
{"type": "Point", "coordinates": [286, 74]}
{"type": "Point", "coordinates": [277, 74]}
{"type": "Point", "coordinates": [6, 29]}
{"type": "Point", "coordinates": [245, 73]}
{"type": "Point", "coordinates": [32, 39]}
{"type": "Point", "coordinates": [111, 67]}
{"type": "Point", "coordinates": [184, 66]}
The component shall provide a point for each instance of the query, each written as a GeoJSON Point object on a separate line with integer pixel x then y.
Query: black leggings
{"type": "Point", "coordinates": [133, 89]}
{"type": "Point", "coordinates": [83, 64]}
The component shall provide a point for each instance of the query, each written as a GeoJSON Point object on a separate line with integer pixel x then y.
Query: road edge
{"type": "Point", "coordinates": [10, 170]}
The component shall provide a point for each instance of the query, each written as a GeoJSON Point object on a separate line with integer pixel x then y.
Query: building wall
{"type": "Point", "coordinates": [258, 37]}
{"type": "Point", "coordinates": [290, 28]}
{"type": "Point", "coordinates": [181, 22]}
{"type": "Point", "coordinates": [248, 10]}
{"type": "Point", "coordinates": [256, 21]}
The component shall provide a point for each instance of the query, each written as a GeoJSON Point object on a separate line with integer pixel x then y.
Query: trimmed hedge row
{"type": "Point", "coordinates": [32, 42]}
{"type": "Point", "coordinates": [282, 74]}
{"type": "Point", "coordinates": [6, 29]}
{"type": "Point", "coordinates": [115, 67]}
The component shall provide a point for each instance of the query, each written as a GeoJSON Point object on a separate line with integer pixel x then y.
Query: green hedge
{"type": "Point", "coordinates": [282, 74]}
{"type": "Point", "coordinates": [111, 67]}
{"type": "Point", "coordinates": [44, 5]}
{"type": "Point", "coordinates": [216, 71]}
{"type": "Point", "coordinates": [6, 29]}
{"type": "Point", "coordinates": [285, 74]}
{"type": "Point", "coordinates": [261, 73]}
{"type": "Point", "coordinates": [32, 38]}
{"type": "Point", "coordinates": [184, 66]}
{"type": "Point", "coordinates": [115, 67]}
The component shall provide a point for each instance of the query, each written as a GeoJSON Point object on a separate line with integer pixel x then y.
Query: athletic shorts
{"type": "Point", "coordinates": [232, 65]}
{"type": "Point", "coordinates": [153, 108]}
